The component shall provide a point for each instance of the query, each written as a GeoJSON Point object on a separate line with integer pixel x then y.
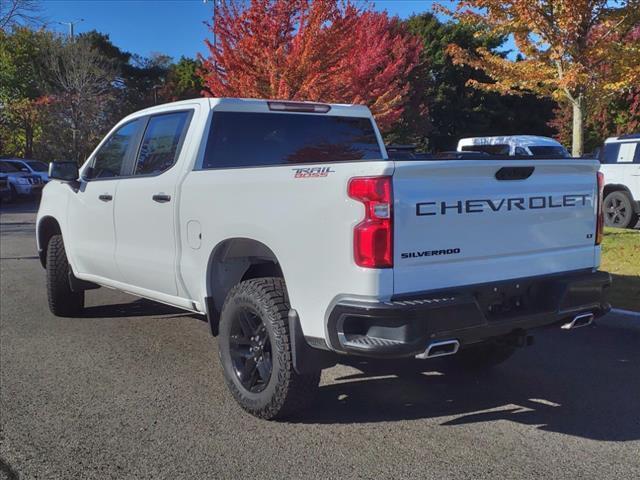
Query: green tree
{"type": "Point", "coordinates": [182, 80]}
{"type": "Point", "coordinates": [23, 97]}
{"type": "Point", "coordinates": [444, 107]}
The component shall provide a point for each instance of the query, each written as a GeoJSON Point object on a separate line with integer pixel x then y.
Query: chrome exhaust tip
{"type": "Point", "coordinates": [440, 349]}
{"type": "Point", "coordinates": [578, 321]}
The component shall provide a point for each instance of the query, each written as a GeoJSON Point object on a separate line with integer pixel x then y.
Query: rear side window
{"type": "Point", "coordinates": [626, 152]}
{"type": "Point", "coordinates": [6, 167]}
{"type": "Point", "coordinates": [110, 158]}
{"type": "Point", "coordinates": [240, 139]}
{"type": "Point", "coordinates": [160, 143]}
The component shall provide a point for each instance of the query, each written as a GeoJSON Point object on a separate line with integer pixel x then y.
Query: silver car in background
{"type": "Point", "coordinates": [21, 184]}
{"type": "Point", "coordinates": [34, 167]}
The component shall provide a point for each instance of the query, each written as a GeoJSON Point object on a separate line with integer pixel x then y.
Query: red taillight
{"type": "Point", "coordinates": [600, 211]}
{"type": "Point", "coordinates": [373, 236]}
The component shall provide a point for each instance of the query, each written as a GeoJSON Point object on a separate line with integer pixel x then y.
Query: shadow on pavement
{"type": "Point", "coordinates": [582, 383]}
{"type": "Point", "coordinates": [625, 292]}
{"type": "Point", "coordinates": [137, 308]}
{"type": "Point", "coordinates": [21, 205]}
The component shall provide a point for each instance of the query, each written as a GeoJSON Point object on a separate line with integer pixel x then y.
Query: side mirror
{"type": "Point", "coordinates": [64, 171]}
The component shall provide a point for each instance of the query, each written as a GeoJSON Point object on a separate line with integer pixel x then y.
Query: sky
{"type": "Point", "coordinates": [172, 27]}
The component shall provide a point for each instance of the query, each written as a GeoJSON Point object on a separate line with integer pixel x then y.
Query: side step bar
{"type": "Point", "coordinates": [440, 349]}
{"type": "Point", "coordinates": [578, 321]}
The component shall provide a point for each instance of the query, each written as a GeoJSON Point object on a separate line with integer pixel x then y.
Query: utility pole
{"type": "Point", "coordinates": [215, 37]}
{"type": "Point", "coordinates": [155, 93]}
{"type": "Point", "coordinates": [71, 26]}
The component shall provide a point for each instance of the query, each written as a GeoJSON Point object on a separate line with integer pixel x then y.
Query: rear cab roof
{"type": "Point", "coordinates": [254, 105]}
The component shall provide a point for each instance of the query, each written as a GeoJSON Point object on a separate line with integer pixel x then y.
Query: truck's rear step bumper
{"type": "Point", "coordinates": [405, 325]}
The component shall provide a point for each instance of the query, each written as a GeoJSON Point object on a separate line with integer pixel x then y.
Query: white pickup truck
{"type": "Point", "coordinates": [289, 227]}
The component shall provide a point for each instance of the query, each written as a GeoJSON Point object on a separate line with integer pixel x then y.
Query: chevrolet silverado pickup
{"type": "Point", "coordinates": [289, 227]}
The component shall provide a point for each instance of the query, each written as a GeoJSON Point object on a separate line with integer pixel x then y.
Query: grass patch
{"type": "Point", "coordinates": [621, 258]}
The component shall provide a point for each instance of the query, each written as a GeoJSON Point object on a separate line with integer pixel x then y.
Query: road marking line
{"type": "Point", "coordinates": [626, 312]}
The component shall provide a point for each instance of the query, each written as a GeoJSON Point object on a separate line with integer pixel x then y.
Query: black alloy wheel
{"type": "Point", "coordinates": [250, 350]}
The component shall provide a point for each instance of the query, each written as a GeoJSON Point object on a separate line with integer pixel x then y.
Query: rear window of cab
{"type": "Point", "coordinates": [243, 139]}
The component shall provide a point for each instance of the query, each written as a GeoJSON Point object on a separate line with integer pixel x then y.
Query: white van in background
{"type": "Point", "coordinates": [620, 159]}
{"type": "Point", "coordinates": [515, 146]}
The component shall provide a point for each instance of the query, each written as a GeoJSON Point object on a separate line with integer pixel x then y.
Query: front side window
{"type": "Point", "coordinates": [521, 152]}
{"type": "Point", "coordinates": [110, 158]}
{"type": "Point", "coordinates": [160, 143]}
{"type": "Point", "coordinates": [38, 166]}
{"type": "Point", "coordinates": [549, 151]}
{"type": "Point", "coordinates": [242, 139]}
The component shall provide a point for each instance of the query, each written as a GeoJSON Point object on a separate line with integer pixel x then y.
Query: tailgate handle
{"type": "Point", "coordinates": [514, 173]}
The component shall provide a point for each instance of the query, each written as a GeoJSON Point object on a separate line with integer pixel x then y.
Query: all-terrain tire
{"type": "Point", "coordinates": [286, 392]}
{"type": "Point", "coordinates": [483, 356]}
{"type": "Point", "coordinates": [63, 302]}
{"type": "Point", "coordinates": [619, 211]}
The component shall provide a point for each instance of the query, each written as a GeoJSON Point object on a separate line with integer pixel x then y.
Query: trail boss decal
{"type": "Point", "coordinates": [312, 172]}
{"type": "Point", "coordinates": [503, 204]}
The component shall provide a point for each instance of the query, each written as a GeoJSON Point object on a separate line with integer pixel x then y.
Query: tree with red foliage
{"type": "Point", "coordinates": [317, 50]}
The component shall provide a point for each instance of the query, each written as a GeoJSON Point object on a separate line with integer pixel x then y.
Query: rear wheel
{"type": "Point", "coordinates": [618, 210]}
{"type": "Point", "coordinates": [483, 356]}
{"type": "Point", "coordinates": [63, 302]}
{"type": "Point", "coordinates": [256, 353]}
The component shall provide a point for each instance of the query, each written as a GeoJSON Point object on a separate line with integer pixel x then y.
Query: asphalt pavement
{"type": "Point", "coordinates": [133, 389]}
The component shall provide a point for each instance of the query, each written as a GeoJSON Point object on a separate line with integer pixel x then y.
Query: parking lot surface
{"type": "Point", "coordinates": [133, 389]}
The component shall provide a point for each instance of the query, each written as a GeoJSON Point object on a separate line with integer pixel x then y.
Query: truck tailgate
{"type": "Point", "coordinates": [465, 222]}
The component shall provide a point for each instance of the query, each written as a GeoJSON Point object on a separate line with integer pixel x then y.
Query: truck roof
{"type": "Point", "coordinates": [623, 138]}
{"type": "Point", "coordinates": [259, 106]}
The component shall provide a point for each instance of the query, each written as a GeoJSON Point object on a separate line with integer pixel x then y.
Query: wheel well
{"type": "Point", "coordinates": [613, 187]}
{"type": "Point", "coordinates": [231, 262]}
{"type": "Point", "coordinates": [47, 228]}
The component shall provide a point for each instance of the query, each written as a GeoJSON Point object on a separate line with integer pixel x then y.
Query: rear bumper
{"type": "Point", "coordinates": [405, 325]}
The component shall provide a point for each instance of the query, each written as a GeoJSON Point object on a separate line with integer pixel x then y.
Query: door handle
{"type": "Point", "coordinates": [161, 198]}
{"type": "Point", "coordinates": [105, 197]}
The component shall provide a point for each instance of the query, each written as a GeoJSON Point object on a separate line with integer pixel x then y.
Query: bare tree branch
{"type": "Point", "coordinates": [19, 12]}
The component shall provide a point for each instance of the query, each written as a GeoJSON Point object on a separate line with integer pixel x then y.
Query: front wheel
{"type": "Point", "coordinates": [63, 302]}
{"type": "Point", "coordinates": [618, 211]}
{"type": "Point", "coordinates": [256, 353]}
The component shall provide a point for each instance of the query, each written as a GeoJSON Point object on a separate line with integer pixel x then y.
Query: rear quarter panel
{"type": "Point", "coordinates": [306, 222]}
